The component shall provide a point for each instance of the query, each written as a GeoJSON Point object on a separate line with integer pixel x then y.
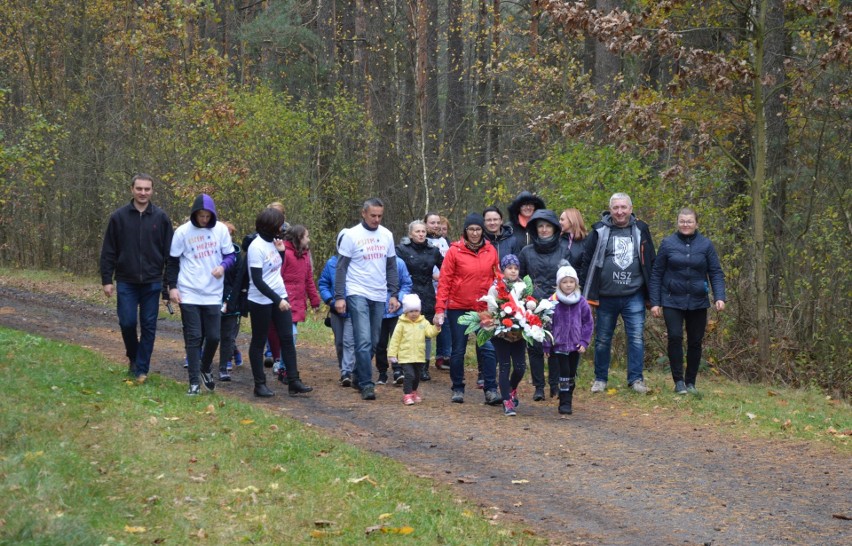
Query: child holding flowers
{"type": "Point", "coordinates": [509, 346]}
{"type": "Point", "coordinates": [572, 332]}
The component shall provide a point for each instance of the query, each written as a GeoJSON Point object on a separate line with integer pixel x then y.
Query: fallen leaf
{"type": "Point", "coordinates": [129, 529]}
{"type": "Point", "coordinates": [398, 530]}
{"type": "Point", "coordinates": [211, 409]}
{"type": "Point", "coordinates": [171, 418]}
{"type": "Point", "coordinates": [518, 504]}
{"type": "Point", "coordinates": [771, 393]}
{"type": "Point", "coordinates": [201, 533]}
{"type": "Point", "coordinates": [520, 481]}
{"type": "Point", "coordinates": [787, 424]}
{"type": "Point", "coordinates": [152, 420]}
{"type": "Point", "coordinates": [323, 523]}
{"type": "Point", "coordinates": [465, 480]}
{"type": "Point", "coordinates": [386, 515]}
{"type": "Point", "coordinates": [273, 428]}
{"type": "Point", "coordinates": [249, 489]}
{"type": "Point", "coordinates": [611, 390]}
{"type": "Point", "coordinates": [751, 415]}
{"type": "Point", "coordinates": [323, 534]}
{"type": "Point", "coordinates": [247, 421]}
{"type": "Point", "coordinates": [366, 478]}
{"type": "Point", "coordinates": [841, 516]}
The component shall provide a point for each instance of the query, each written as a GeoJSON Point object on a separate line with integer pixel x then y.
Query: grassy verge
{"type": "Point", "coordinates": [87, 458]}
{"type": "Point", "coordinates": [749, 409]}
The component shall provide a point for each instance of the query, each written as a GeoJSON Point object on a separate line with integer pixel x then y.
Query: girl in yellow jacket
{"type": "Point", "coordinates": [407, 346]}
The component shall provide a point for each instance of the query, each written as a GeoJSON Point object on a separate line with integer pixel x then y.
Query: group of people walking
{"type": "Point", "coordinates": [400, 303]}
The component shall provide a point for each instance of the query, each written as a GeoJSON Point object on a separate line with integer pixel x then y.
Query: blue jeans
{"type": "Point", "coordinates": [632, 311]}
{"type": "Point", "coordinates": [444, 343]}
{"type": "Point", "coordinates": [366, 327]}
{"type": "Point", "coordinates": [484, 355]}
{"type": "Point", "coordinates": [138, 304]}
{"type": "Point", "coordinates": [201, 327]}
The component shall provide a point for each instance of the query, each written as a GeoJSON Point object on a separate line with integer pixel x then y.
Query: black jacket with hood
{"type": "Point", "coordinates": [514, 210]}
{"type": "Point", "coordinates": [595, 252]}
{"type": "Point", "coordinates": [540, 260]}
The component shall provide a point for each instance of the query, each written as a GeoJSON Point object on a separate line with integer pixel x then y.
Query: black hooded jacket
{"type": "Point", "coordinates": [514, 210]}
{"type": "Point", "coordinates": [540, 260]}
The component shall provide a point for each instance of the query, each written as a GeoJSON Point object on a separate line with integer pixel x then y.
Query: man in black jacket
{"type": "Point", "coordinates": [615, 274]}
{"type": "Point", "coordinates": [136, 246]}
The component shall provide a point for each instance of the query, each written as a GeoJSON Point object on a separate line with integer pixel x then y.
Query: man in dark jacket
{"type": "Point", "coordinates": [135, 248]}
{"type": "Point", "coordinates": [541, 260]}
{"type": "Point", "coordinates": [615, 274]}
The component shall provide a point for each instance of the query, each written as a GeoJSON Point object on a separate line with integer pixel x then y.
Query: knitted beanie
{"type": "Point", "coordinates": [566, 271]}
{"type": "Point", "coordinates": [509, 259]}
{"type": "Point", "coordinates": [410, 302]}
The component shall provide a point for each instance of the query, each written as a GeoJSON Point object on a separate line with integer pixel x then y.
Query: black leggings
{"type": "Point", "coordinates": [261, 316]}
{"type": "Point", "coordinates": [696, 323]}
{"type": "Point", "coordinates": [567, 365]}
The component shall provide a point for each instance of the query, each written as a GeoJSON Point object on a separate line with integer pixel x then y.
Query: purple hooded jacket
{"type": "Point", "coordinates": [572, 327]}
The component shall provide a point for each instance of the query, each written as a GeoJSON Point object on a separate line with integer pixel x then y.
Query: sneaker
{"type": "Point", "coordinates": [598, 386]}
{"type": "Point", "coordinates": [368, 393]}
{"type": "Point", "coordinates": [509, 408]}
{"type": "Point", "coordinates": [398, 377]}
{"type": "Point", "coordinates": [229, 366]}
{"type": "Point", "coordinates": [207, 380]}
{"type": "Point", "coordinates": [194, 390]}
{"type": "Point", "coordinates": [224, 376]}
{"type": "Point", "coordinates": [514, 396]}
{"type": "Point", "coordinates": [185, 363]}
{"type": "Point", "coordinates": [691, 389]}
{"type": "Point", "coordinates": [238, 357]}
{"type": "Point", "coordinates": [493, 398]}
{"type": "Point", "coordinates": [281, 375]}
{"type": "Point", "coordinates": [417, 397]}
{"type": "Point", "coordinates": [346, 380]}
{"type": "Point", "coordinates": [442, 363]}
{"type": "Point", "coordinates": [408, 399]}
{"type": "Point", "coordinates": [480, 383]}
{"type": "Point", "coordinates": [424, 375]}
{"type": "Point", "coordinates": [680, 387]}
{"type": "Point", "coordinates": [539, 394]}
{"type": "Point", "coordinates": [383, 379]}
{"type": "Point", "coordinates": [276, 365]}
{"type": "Point", "coordinates": [639, 386]}
{"type": "Point", "coordinates": [141, 378]}
{"type": "Point", "coordinates": [458, 397]}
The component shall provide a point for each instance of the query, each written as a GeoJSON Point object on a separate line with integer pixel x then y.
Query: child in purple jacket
{"type": "Point", "coordinates": [572, 333]}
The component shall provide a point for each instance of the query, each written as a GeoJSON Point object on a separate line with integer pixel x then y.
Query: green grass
{"type": "Point", "coordinates": [89, 458]}
{"type": "Point", "coordinates": [750, 409]}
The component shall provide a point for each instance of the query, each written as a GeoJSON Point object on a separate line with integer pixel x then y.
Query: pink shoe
{"type": "Point", "coordinates": [417, 397]}
{"type": "Point", "coordinates": [408, 399]}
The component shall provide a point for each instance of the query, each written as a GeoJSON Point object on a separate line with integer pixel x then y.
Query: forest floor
{"type": "Point", "coordinates": [607, 475]}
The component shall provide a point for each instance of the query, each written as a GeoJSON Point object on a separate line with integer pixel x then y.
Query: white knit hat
{"type": "Point", "coordinates": [566, 271]}
{"type": "Point", "coordinates": [410, 302]}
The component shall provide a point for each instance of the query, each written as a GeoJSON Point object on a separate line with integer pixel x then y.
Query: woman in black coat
{"type": "Point", "coordinates": [686, 267]}
{"type": "Point", "coordinates": [421, 258]}
{"type": "Point", "coordinates": [541, 260]}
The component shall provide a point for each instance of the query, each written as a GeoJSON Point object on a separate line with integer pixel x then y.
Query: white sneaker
{"type": "Point", "coordinates": [599, 386]}
{"type": "Point", "coordinates": [639, 386]}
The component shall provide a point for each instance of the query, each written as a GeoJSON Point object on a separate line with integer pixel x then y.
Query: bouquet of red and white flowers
{"type": "Point", "coordinates": [513, 313]}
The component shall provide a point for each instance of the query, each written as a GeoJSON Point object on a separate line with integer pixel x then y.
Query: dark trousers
{"type": "Point", "coordinates": [138, 305]}
{"type": "Point", "coordinates": [261, 317]}
{"type": "Point", "coordinates": [484, 354]}
{"type": "Point", "coordinates": [566, 366]}
{"type": "Point", "coordinates": [536, 354]}
{"type": "Point", "coordinates": [411, 376]}
{"type": "Point", "coordinates": [696, 323]}
{"type": "Point", "coordinates": [388, 325]}
{"type": "Point", "coordinates": [228, 330]}
{"type": "Point", "coordinates": [511, 359]}
{"type": "Point", "coordinates": [201, 324]}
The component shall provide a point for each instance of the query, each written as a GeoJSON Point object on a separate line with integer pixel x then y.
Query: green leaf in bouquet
{"type": "Point", "coordinates": [482, 336]}
{"type": "Point", "coordinates": [529, 289]}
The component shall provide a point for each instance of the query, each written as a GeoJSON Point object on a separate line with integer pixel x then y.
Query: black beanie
{"type": "Point", "coordinates": [474, 219]}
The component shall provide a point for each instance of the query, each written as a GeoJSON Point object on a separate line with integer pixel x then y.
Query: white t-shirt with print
{"type": "Point", "coordinates": [200, 250]}
{"type": "Point", "coordinates": [264, 255]}
{"type": "Point", "coordinates": [368, 252]}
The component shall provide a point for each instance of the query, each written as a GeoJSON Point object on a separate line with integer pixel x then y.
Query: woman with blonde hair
{"type": "Point", "coordinates": [574, 231]}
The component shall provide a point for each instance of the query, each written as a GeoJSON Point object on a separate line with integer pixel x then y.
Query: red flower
{"type": "Point", "coordinates": [533, 320]}
{"type": "Point", "coordinates": [507, 322]}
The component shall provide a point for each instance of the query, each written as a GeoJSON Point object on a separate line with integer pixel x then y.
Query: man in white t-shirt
{"type": "Point", "coordinates": [366, 275]}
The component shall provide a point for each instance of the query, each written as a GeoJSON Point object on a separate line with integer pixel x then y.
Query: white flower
{"type": "Point", "coordinates": [491, 301]}
{"type": "Point", "coordinates": [530, 305]}
{"type": "Point", "coordinates": [543, 305]}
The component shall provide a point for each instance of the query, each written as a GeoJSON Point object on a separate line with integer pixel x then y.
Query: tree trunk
{"type": "Point", "coordinates": [607, 65]}
{"type": "Point", "coordinates": [483, 56]}
{"type": "Point", "coordinates": [758, 184]}
{"type": "Point", "coordinates": [494, 125]}
{"type": "Point", "coordinates": [454, 135]}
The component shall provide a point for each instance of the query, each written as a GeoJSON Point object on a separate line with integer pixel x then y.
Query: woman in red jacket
{"type": "Point", "coordinates": [469, 270]}
{"type": "Point", "coordinates": [298, 274]}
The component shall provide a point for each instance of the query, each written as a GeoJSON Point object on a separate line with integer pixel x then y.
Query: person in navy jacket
{"type": "Point", "coordinates": [686, 267]}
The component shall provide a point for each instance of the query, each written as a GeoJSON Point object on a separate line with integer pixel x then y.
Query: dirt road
{"type": "Point", "coordinates": [605, 475]}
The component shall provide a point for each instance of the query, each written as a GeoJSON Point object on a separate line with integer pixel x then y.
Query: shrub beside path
{"type": "Point", "coordinates": [605, 475]}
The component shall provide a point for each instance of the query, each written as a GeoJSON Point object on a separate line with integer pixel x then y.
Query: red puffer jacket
{"type": "Point", "coordinates": [298, 275]}
{"type": "Point", "coordinates": [466, 276]}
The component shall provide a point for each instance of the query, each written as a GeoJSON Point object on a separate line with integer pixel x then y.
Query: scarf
{"type": "Point", "coordinates": [570, 299]}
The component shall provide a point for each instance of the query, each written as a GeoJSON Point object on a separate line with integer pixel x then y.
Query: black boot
{"type": "Point", "coordinates": [554, 391]}
{"type": "Point", "coordinates": [261, 390]}
{"type": "Point", "coordinates": [295, 386]}
{"type": "Point", "coordinates": [424, 372]}
{"type": "Point", "coordinates": [538, 396]}
{"type": "Point", "coordinates": [566, 397]}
